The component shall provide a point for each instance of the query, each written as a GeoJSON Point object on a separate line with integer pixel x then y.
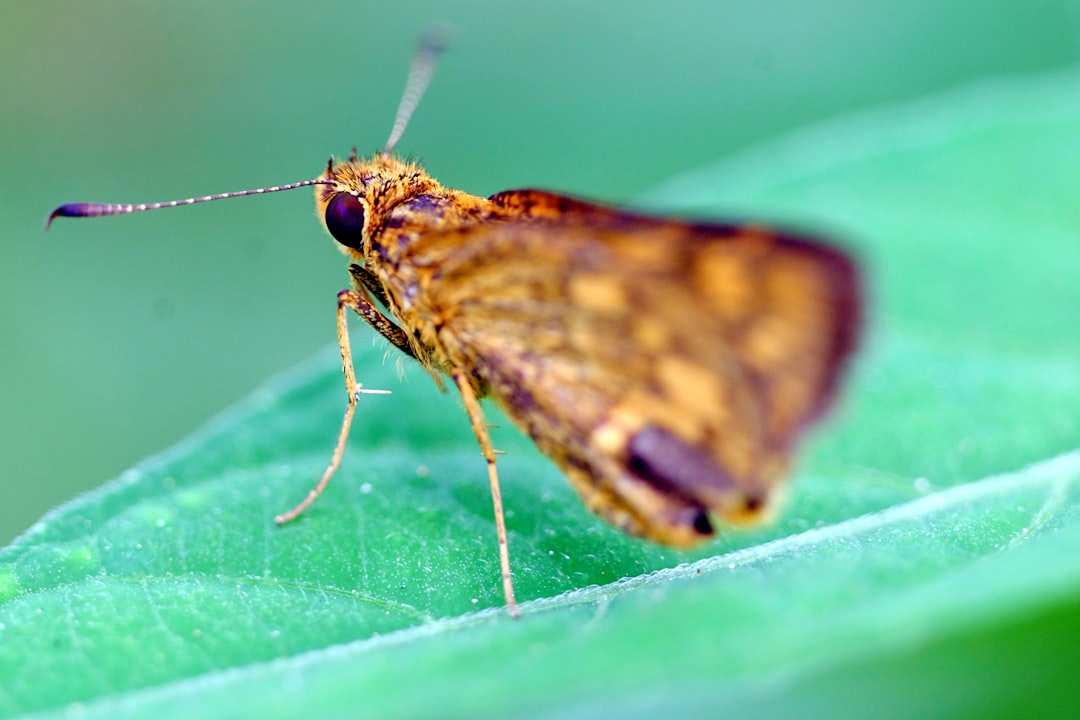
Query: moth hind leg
{"type": "Point", "coordinates": [480, 429]}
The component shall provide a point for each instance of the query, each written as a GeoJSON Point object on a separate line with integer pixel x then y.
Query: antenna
{"type": "Point", "coordinates": [423, 67]}
{"type": "Point", "coordinates": [424, 61]}
{"type": "Point", "coordinates": [102, 209]}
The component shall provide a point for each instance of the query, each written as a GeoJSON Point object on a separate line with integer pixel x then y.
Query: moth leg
{"type": "Point", "coordinates": [361, 305]}
{"type": "Point", "coordinates": [371, 314]}
{"type": "Point", "coordinates": [476, 417]}
{"type": "Point", "coordinates": [369, 280]}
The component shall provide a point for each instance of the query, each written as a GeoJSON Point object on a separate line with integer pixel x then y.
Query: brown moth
{"type": "Point", "coordinates": [667, 367]}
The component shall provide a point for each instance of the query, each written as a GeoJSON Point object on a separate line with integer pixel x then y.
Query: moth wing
{"type": "Point", "coordinates": [667, 367]}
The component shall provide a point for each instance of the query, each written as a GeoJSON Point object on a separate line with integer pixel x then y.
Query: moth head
{"type": "Point", "coordinates": [354, 198]}
{"type": "Point", "coordinates": [354, 195]}
{"type": "Point", "coordinates": [343, 208]}
{"type": "Point", "coordinates": [344, 212]}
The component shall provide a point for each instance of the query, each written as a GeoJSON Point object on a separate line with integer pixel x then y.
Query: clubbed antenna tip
{"type": "Point", "coordinates": [76, 210]}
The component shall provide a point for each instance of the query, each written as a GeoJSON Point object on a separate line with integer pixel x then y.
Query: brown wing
{"type": "Point", "coordinates": [667, 367]}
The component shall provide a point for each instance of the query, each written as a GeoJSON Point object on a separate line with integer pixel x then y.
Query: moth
{"type": "Point", "coordinates": [668, 367]}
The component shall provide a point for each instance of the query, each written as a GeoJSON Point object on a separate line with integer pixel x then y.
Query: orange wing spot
{"type": "Point", "coordinates": [655, 254]}
{"type": "Point", "coordinates": [726, 280]}
{"type": "Point", "coordinates": [697, 390]}
{"type": "Point", "coordinates": [795, 287]}
{"type": "Point", "coordinates": [739, 451]}
{"type": "Point", "coordinates": [767, 342]}
{"type": "Point", "coordinates": [640, 407]}
{"type": "Point", "coordinates": [611, 438]}
{"type": "Point", "coordinates": [651, 334]}
{"type": "Point", "coordinates": [598, 293]}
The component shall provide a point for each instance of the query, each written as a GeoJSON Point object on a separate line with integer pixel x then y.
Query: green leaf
{"type": "Point", "coordinates": [927, 562]}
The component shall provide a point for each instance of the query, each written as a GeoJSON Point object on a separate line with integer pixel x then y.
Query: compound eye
{"type": "Point", "coordinates": [345, 220]}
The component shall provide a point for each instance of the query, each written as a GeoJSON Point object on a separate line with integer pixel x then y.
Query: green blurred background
{"type": "Point", "coordinates": [120, 336]}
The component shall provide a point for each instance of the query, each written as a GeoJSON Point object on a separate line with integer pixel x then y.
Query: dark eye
{"type": "Point", "coordinates": [345, 220]}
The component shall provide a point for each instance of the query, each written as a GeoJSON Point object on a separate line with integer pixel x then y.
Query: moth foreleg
{"type": "Point", "coordinates": [357, 301]}
{"type": "Point", "coordinates": [476, 417]}
{"type": "Point", "coordinates": [364, 279]}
